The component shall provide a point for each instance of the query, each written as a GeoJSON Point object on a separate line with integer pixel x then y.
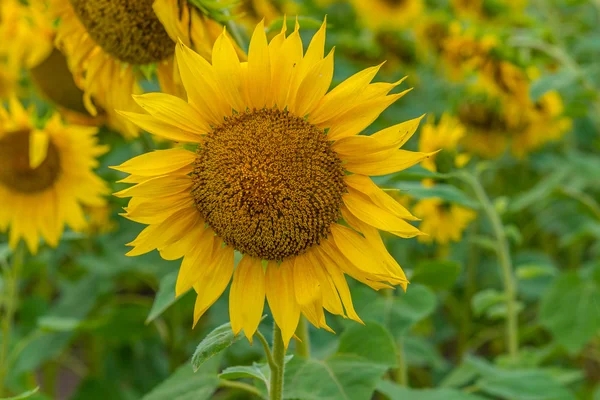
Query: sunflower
{"type": "Point", "coordinates": [279, 175]}
{"type": "Point", "coordinates": [441, 221]}
{"type": "Point", "coordinates": [388, 14]}
{"type": "Point", "coordinates": [45, 176]}
{"type": "Point", "coordinates": [445, 135]}
{"type": "Point", "coordinates": [25, 41]}
{"type": "Point", "coordinates": [108, 43]}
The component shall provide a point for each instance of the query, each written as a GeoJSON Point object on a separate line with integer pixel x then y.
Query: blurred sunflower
{"type": "Point", "coordinates": [388, 14]}
{"type": "Point", "coordinates": [443, 222]}
{"type": "Point", "coordinates": [109, 44]}
{"type": "Point", "coordinates": [46, 176]}
{"type": "Point", "coordinates": [25, 41]}
{"type": "Point", "coordinates": [279, 175]}
{"type": "Point", "coordinates": [465, 50]}
{"type": "Point", "coordinates": [445, 135]}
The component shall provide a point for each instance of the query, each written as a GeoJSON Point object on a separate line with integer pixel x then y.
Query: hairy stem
{"type": "Point", "coordinates": [276, 389]}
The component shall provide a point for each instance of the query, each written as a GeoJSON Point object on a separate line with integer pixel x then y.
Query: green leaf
{"type": "Point", "coordinates": [437, 274]}
{"type": "Point", "coordinates": [243, 371]}
{"type": "Point", "coordinates": [215, 342]}
{"type": "Point", "coordinates": [417, 172]}
{"type": "Point", "coordinates": [165, 297]}
{"type": "Point", "coordinates": [442, 191]}
{"type": "Point", "coordinates": [485, 299]}
{"type": "Point", "coordinates": [394, 391]}
{"type": "Point", "coordinates": [420, 352]}
{"type": "Point", "coordinates": [183, 384]}
{"type": "Point", "coordinates": [570, 310]}
{"type": "Point", "coordinates": [559, 80]}
{"type": "Point", "coordinates": [23, 395]}
{"type": "Point", "coordinates": [340, 377]}
{"type": "Point", "coordinates": [359, 339]}
{"type": "Point", "coordinates": [365, 353]}
{"type": "Point", "coordinates": [534, 271]}
{"type": "Point", "coordinates": [517, 384]}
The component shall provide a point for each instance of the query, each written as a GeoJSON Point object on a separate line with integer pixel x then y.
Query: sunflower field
{"type": "Point", "coordinates": [300, 199]}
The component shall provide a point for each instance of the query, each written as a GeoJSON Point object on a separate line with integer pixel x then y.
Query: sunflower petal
{"type": "Point", "coordinates": [279, 288]}
{"type": "Point", "coordinates": [247, 296]}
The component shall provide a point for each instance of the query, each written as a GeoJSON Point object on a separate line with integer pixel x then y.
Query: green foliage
{"type": "Point", "coordinates": [214, 343]}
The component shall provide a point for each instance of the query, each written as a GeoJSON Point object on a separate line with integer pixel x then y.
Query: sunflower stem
{"type": "Point", "coordinates": [276, 386]}
{"type": "Point", "coordinates": [265, 345]}
{"type": "Point", "coordinates": [240, 386]}
{"type": "Point", "coordinates": [502, 247]}
{"type": "Point", "coordinates": [11, 281]}
{"type": "Point", "coordinates": [400, 374]}
{"type": "Point", "coordinates": [302, 345]}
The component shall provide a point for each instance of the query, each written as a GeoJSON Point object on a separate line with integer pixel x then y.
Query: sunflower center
{"type": "Point", "coordinates": [268, 183]}
{"type": "Point", "coordinates": [127, 29]}
{"type": "Point", "coordinates": [15, 171]}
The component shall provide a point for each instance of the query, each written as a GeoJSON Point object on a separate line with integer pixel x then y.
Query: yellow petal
{"type": "Point", "coordinates": [259, 68]}
{"type": "Point", "coordinates": [201, 86]}
{"type": "Point", "coordinates": [365, 185]}
{"type": "Point", "coordinates": [214, 281]}
{"type": "Point", "coordinates": [314, 86]}
{"type": "Point", "coordinates": [339, 281]}
{"type": "Point", "coordinates": [359, 117]}
{"type": "Point", "coordinates": [343, 96]}
{"type": "Point", "coordinates": [158, 162]}
{"type": "Point", "coordinates": [308, 291]}
{"type": "Point", "coordinates": [279, 288]}
{"type": "Point", "coordinates": [385, 162]}
{"type": "Point", "coordinates": [173, 111]}
{"type": "Point", "coordinates": [38, 148]}
{"type": "Point", "coordinates": [247, 296]}
{"type": "Point", "coordinates": [156, 210]}
{"type": "Point", "coordinates": [226, 66]}
{"type": "Point", "coordinates": [283, 63]}
{"type": "Point", "coordinates": [156, 187]}
{"type": "Point", "coordinates": [364, 209]}
{"type": "Point", "coordinates": [184, 245]}
{"type": "Point", "coordinates": [160, 128]}
{"type": "Point", "coordinates": [197, 261]}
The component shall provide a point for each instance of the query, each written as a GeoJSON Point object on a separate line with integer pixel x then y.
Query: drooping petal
{"type": "Point", "coordinates": [196, 262]}
{"type": "Point", "coordinates": [157, 162]}
{"type": "Point", "coordinates": [279, 288]}
{"type": "Point", "coordinates": [247, 296]}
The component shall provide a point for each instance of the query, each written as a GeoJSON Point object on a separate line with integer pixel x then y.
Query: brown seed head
{"type": "Point", "coordinates": [268, 183]}
{"type": "Point", "coordinates": [15, 171]}
{"type": "Point", "coordinates": [127, 29]}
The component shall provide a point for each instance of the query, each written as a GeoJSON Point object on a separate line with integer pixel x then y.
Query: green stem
{"type": "Point", "coordinates": [400, 374]}
{"type": "Point", "coordinates": [11, 280]}
{"type": "Point", "coordinates": [240, 386]}
{"type": "Point", "coordinates": [268, 353]}
{"type": "Point", "coordinates": [276, 389]}
{"type": "Point", "coordinates": [510, 290]}
{"type": "Point", "coordinates": [303, 345]}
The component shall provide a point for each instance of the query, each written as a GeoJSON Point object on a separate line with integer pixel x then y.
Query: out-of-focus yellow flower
{"type": "Point", "coordinates": [100, 220]}
{"type": "Point", "coordinates": [269, 132]}
{"type": "Point", "coordinates": [442, 222]}
{"type": "Point", "coordinates": [445, 135]}
{"type": "Point", "coordinates": [502, 78]}
{"type": "Point", "coordinates": [464, 51]}
{"type": "Point", "coordinates": [431, 32]}
{"type": "Point", "coordinates": [391, 15]}
{"type": "Point", "coordinates": [46, 176]}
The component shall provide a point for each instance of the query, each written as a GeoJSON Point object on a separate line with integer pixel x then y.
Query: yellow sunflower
{"type": "Point", "coordinates": [388, 14]}
{"type": "Point", "coordinates": [46, 176]}
{"type": "Point", "coordinates": [108, 43]}
{"type": "Point", "coordinates": [441, 221]}
{"type": "Point", "coordinates": [279, 174]}
{"type": "Point", "coordinates": [445, 135]}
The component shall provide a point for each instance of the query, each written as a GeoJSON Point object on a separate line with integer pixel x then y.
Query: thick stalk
{"type": "Point", "coordinates": [276, 389]}
{"type": "Point", "coordinates": [510, 290]}
{"type": "Point", "coordinates": [11, 282]}
{"type": "Point", "coordinates": [303, 345]}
